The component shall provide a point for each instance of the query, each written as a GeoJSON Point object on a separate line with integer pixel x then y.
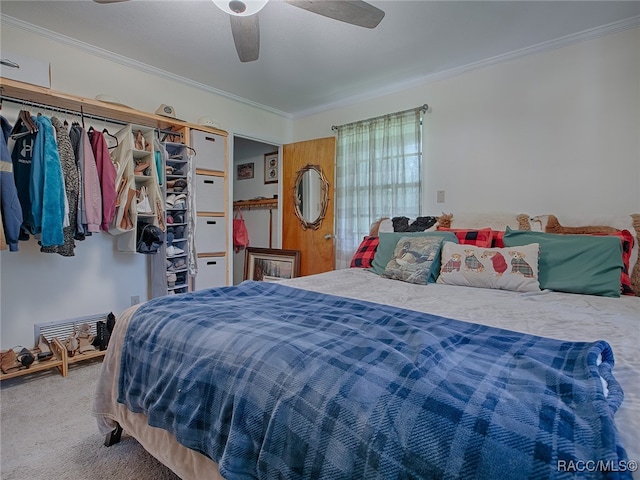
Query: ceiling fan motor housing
{"type": "Point", "coordinates": [237, 6]}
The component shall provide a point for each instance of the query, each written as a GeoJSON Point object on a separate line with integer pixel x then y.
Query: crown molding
{"type": "Point", "coordinates": [561, 42]}
{"type": "Point", "coordinates": [134, 64]}
{"type": "Point", "coordinates": [347, 101]}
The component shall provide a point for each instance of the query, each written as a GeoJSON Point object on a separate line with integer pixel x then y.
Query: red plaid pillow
{"type": "Point", "coordinates": [365, 253]}
{"type": "Point", "coordinates": [627, 245]}
{"type": "Point", "coordinates": [497, 240]}
{"type": "Point", "coordinates": [479, 238]}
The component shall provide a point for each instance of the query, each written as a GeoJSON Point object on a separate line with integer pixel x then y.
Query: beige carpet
{"type": "Point", "coordinates": [47, 432]}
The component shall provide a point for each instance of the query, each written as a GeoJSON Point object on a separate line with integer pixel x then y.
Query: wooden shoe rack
{"type": "Point", "coordinates": [58, 361]}
{"type": "Point", "coordinates": [61, 361]}
{"type": "Point", "coordinates": [79, 357]}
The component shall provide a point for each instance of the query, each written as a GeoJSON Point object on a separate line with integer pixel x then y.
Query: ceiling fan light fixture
{"type": "Point", "coordinates": [240, 8]}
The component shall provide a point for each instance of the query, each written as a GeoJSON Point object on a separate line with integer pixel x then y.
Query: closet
{"type": "Point", "coordinates": [180, 142]}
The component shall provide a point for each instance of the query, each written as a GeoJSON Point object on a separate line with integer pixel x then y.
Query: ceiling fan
{"type": "Point", "coordinates": [246, 30]}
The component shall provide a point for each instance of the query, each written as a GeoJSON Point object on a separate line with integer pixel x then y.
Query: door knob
{"type": "Point", "coordinates": [328, 236]}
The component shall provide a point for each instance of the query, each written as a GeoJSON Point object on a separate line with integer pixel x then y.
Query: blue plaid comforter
{"type": "Point", "coordinates": [274, 382]}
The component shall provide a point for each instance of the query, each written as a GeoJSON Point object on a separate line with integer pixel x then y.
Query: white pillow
{"type": "Point", "coordinates": [511, 268]}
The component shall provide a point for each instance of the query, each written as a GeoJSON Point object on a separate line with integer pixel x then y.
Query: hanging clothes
{"type": "Point", "coordinates": [75, 135]}
{"type": "Point", "coordinates": [46, 188]}
{"type": "Point", "coordinates": [71, 186]}
{"type": "Point", "coordinates": [10, 204]}
{"type": "Point", "coordinates": [91, 199]}
{"type": "Point", "coordinates": [21, 156]}
{"type": "Point", "coordinates": [107, 176]}
{"type": "Point", "coordinates": [93, 195]}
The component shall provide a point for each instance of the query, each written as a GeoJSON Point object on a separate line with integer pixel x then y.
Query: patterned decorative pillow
{"type": "Point", "coordinates": [365, 253]}
{"type": "Point", "coordinates": [479, 238]}
{"type": "Point", "coordinates": [413, 259]}
{"type": "Point", "coordinates": [514, 268]}
{"type": "Point", "coordinates": [388, 242]}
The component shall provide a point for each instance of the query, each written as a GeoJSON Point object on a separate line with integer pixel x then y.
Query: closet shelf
{"type": "Point", "coordinates": [261, 203]}
{"type": "Point", "coordinates": [53, 98]}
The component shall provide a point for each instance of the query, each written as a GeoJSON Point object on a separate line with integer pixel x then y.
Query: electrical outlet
{"type": "Point", "coordinates": [135, 299]}
{"type": "Point", "coordinates": [440, 196]}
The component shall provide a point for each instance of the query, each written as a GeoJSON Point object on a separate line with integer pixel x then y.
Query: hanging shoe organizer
{"type": "Point", "coordinates": [139, 195]}
{"type": "Point", "coordinates": [169, 269]}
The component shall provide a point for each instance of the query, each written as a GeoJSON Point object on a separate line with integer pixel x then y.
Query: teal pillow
{"type": "Point", "coordinates": [585, 264]}
{"type": "Point", "coordinates": [388, 243]}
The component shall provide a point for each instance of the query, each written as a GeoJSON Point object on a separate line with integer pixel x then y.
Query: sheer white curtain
{"type": "Point", "coordinates": [378, 174]}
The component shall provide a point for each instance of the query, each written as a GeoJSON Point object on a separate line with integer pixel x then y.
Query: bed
{"type": "Point", "coordinates": [490, 382]}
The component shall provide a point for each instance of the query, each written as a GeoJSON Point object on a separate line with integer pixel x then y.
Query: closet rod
{"type": "Point", "coordinates": [76, 112]}
{"type": "Point", "coordinates": [58, 109]}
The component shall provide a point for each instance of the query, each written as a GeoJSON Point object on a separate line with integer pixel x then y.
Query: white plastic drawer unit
{"type": "Point", "coordinates": [209, 193]}
{"type": "Point", "coordinates": [211, 234]}
{"type": "Point", "coordinates": [209, 149]}
{"type": "Point", "coordinates": [212, 272]}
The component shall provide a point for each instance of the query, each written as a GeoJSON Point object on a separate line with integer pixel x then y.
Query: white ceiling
{"type": "Point", "coordinates": [308, 62]}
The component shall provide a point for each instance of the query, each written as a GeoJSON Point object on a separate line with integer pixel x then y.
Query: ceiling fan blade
{"type": "Point", "coordinates": [355, 12]}
{"type": "Point", "coordinates": [109, 1]}
{"type": "Point", "coordinates": [246, 35]}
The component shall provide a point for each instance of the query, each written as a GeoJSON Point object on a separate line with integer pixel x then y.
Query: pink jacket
{"type": "Point", "coordinates": [92, 194]}
{"type": "Point", "coordinates": [107, 175]}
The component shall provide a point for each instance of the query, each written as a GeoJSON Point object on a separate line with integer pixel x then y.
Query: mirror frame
{"type": "Point", "coordinates": [324, 186]}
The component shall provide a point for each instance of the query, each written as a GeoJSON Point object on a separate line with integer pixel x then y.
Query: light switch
{"type": "Point", "coordinates": [440, 196]}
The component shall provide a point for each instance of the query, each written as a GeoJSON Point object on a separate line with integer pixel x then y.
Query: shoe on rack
{"type": "Point", "coordinates": [71, 344]}
{"type": "Point", "coordinates": [85, 338]}
{"type": "Point", "coordinates": [144, 206]}
{"type": "Point", "coordinates": [173, 251]}
{"type": "Point", "coordinates": [178, 232]}
{"type": "Point", "coordinates": [126, 223]}
{"type": "Point", "coordinates": [139, 142]}
{"type": "Point", "coordinates": [141, 169]}
{"type": "Point", "coordinates": [8, 361]}
{"type": "Point", "coordinates": [43, 344]}
{"type": "Point", "coordinates": [171, 280]}
{"type": "Point", "coordinates": [177, 185]}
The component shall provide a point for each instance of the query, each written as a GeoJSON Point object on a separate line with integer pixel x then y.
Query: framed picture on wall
{"type": "Point", "coordinates": [271, 264]}
{"type": "Point", "coordinates": [271, 167]}
{"type": "Point", "coordinates": [245, 171]}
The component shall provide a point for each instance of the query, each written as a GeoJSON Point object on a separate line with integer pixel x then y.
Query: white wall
{"type": "Point", "coordinates": [37, 287]}
{"type": "Point", "coordinates": [256, 220]}
{"type": "Point", "coordinates": [553, 132]}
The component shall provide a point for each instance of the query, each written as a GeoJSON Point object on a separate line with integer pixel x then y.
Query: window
{"type": "Point", "coordinates": [378, 173]}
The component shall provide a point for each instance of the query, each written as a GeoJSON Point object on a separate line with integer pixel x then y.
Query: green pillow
{"type": "Point", "coordinates": [387, 245]}
{"type": "Point", "coordinates": [585, 264]}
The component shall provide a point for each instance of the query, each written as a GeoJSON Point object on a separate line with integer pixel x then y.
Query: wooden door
{"type": "Point", "coordinates": [316, 246]}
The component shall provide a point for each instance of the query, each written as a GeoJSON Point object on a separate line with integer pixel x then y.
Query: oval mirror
{"type": "Point", "coordinates": [310, 196]}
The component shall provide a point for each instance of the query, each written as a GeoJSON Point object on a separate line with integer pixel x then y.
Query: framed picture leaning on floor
{"type": "Point", "coordinates": [271, 264]}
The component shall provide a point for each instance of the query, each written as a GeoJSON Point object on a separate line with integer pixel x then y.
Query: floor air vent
{"type": "Point", "coordinates": [61, 329]}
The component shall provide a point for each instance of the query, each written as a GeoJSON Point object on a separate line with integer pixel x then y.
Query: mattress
{"type": "Point", "coordinates": [548, 314]}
